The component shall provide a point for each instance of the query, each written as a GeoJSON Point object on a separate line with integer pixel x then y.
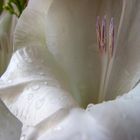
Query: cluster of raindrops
{"type": "Point", "coordinates": [9, 81]}
{"type": "Point", "coordinates": [40, 103]}
{"type": "Point", "coordinates": [35, 87]}
{"type": "Point", "coordinates": [90, 107]}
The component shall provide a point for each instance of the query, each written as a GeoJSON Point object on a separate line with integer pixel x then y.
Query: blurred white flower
{"type": "Point", "coordinates": [57, 67]}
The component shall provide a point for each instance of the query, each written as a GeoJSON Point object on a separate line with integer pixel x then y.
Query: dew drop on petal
{"type": "Point", "coordinates": [40, 103]}
{"type": "Point", "coordinates": [9, 81]}
{"type": "Point", "coordinates": [22, 137]}
{"type": "Point", "coordinates": [35, 87]}
{"type": "Point", "coordinates": [30, 96]}
{"type": "Point", "coordinates": [89, 107]}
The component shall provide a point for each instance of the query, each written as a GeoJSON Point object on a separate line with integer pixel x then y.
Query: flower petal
{"type": "Point", "coordinates": [67, 29]}
{"type": "Point", "coordinates": [30, 30]}
{"type": "Point", "coordinates": [112, 120]}
{"type": "Point", "coordinates": [10, 127]}
{"type": "Point", "coordinates": [31, 87]}
{"type": "Point", "coordinates": [7, 26]}
{"type": "Point", "coordinates": [126, 69]}
{"type": "Point", "coordinates": [71, 38]}
{"type": "Point", "coordinates": [40, 5]}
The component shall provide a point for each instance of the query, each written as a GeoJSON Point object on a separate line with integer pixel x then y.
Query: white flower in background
{"type": "Point", "coordinates": [10, 127]}
{"type": "Point", "coordinates": [7, 26]}
{"type": "Point", "coordinates": [57, 68]}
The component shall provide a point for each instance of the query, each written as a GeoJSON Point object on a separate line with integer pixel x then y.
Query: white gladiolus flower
{"type": "Point", "coordinates": [68, 54]}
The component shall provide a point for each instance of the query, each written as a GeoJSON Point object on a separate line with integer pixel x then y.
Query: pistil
{"type": "Point", "coordinates": [105, 40]}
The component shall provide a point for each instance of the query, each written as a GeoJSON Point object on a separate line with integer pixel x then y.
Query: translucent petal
{"type": "Point", "coordinates": [67, 28]}
{"type": "Point", "coordinates": [113, 120]}
{"type": "Point", "coordinates": [7, 26]}
{"type": "Point", "coordinates": [31, 88]}
{"type": "Point", "coordinates": [40, 5]}
{"type": "Point", "coordinates": [10, 127]}
{"type": "Point", "coordinates": [126, 68]}
{"type": "Point", "coordinates": [30, 30]}
{"type": "Point", "coordinates": [71, 38]}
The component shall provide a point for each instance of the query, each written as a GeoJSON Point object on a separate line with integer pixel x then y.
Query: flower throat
{"type": "Point", "coordinates": [105, 41]}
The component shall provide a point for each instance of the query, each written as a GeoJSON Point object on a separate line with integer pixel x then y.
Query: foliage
{"type": "Point", "coordinates": [1, 5]}
{"type": "Point", "coordinates": [15, 6]}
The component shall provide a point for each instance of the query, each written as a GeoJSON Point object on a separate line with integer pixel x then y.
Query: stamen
{"type": "Point", "coordinates": [101, 34]}
{"type": "Point", "coordinates": [106, 50]}
{"type": "Point", "coordinates": [111, 37]}
{"type": "Point", "coordinates": [98, 32]}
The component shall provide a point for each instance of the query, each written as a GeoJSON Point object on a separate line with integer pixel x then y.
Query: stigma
{"type": "Point", "coordinates": [105, 41]}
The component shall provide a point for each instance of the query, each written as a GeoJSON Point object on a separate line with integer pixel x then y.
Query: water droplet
{"type": "Point", "coordinates": [30, 96]}
{"type": "Point", "coordinates": [89, 107]}
{"type": "Point", "coordinates": [22, 137]}
{"type": "Point", "coordinates": [40, 103]}
{"type": "Point", "coordinates": [35, 87]}
{"type": "Point", "coordinates": [9, 81]}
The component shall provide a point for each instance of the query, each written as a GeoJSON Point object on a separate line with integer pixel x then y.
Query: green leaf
{"type": "Point", "coordinates": [1, 6]}
{"type": "Point", "coordinates": [15, 7]}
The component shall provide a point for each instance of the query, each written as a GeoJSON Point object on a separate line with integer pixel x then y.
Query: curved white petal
{"type": "Point", "coordinates": [30, 29]}
{"type": "Point", "coordinates": [40, 5]}
{"type": "Point", "coordinates": [71, 38]}
{"type": "Point", "coordinates": [10, 127]}
{"type": "Point", "coordinates": [114, 120]}
{"type": "Point", "coordinates": [31, 88]}
{"type": "Point", "coordinates": [126, 68]}
{"type": "Point", "coordinates": [67, 28]}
